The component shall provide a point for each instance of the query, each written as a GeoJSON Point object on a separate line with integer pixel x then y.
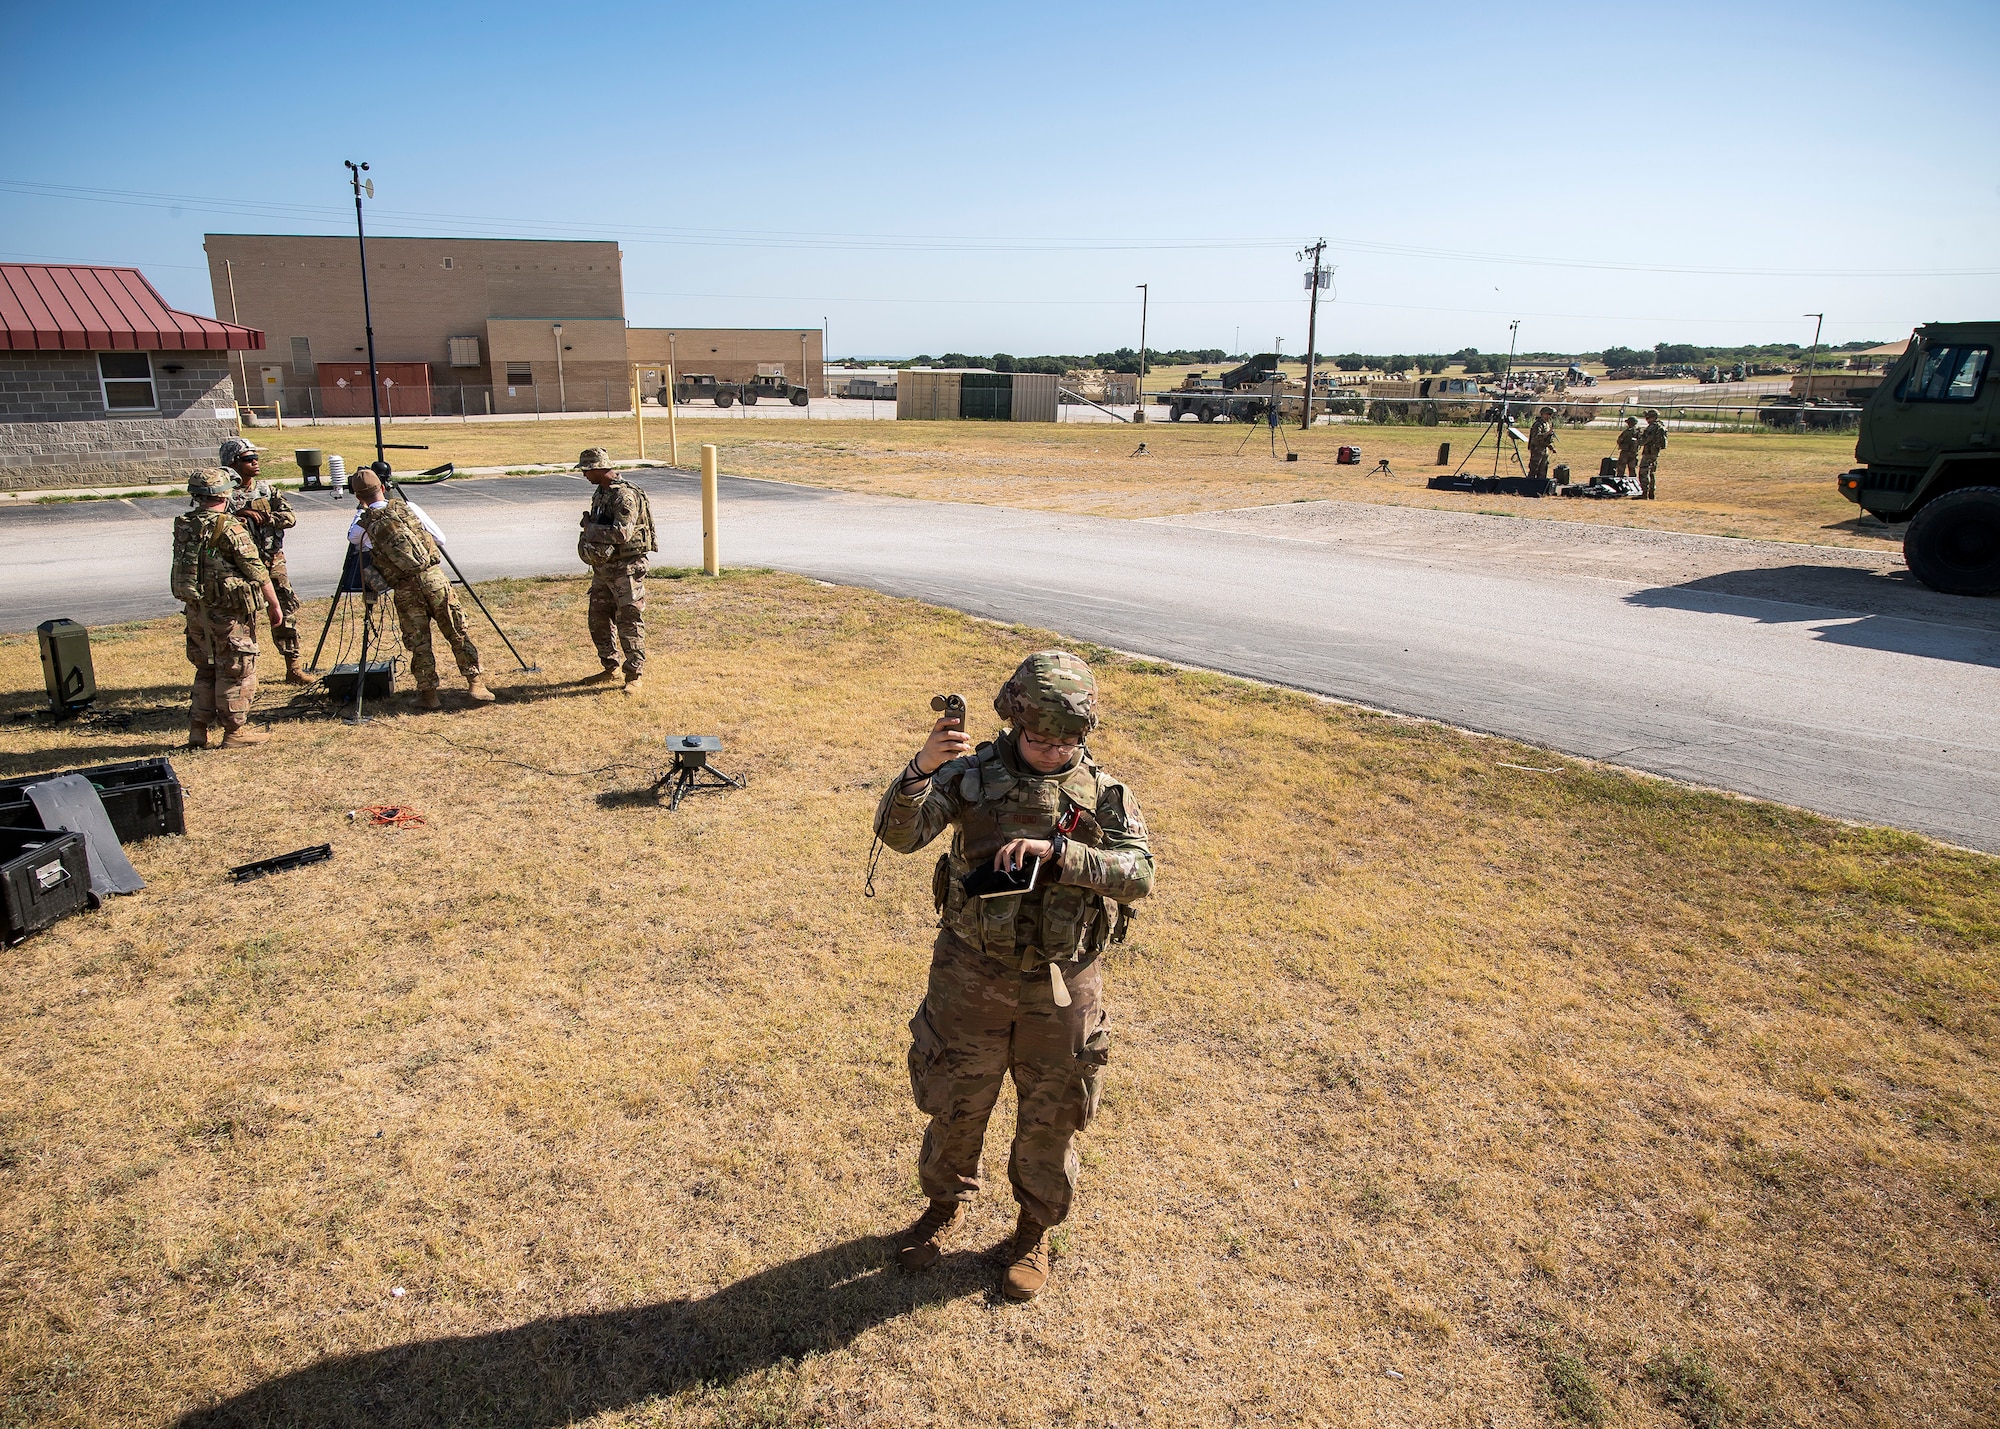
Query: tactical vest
{"type": "Point", "coordinates": [598, 545]}
{"type": "Point", "coordinates": [1058, 921]}
{"type": "Point", "coordinates": [401, 547]}
{"type": "Point", "coordinates": [202, 574]}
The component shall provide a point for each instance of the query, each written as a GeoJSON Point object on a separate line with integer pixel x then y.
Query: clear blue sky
{"type": "Point", "coordinates": [969, 178]}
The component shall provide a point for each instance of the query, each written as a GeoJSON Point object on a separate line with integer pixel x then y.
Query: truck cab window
{"type": "Point", "coordinates": [1946, 374]}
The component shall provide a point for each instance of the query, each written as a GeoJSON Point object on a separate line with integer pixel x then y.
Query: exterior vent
{"type": "Point", "coordinates": [302, 357]}
{"type": "Point", "coordinates": [464, 350]}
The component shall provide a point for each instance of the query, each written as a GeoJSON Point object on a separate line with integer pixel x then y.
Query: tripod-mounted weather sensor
{"type": "Point", "coordinates": [691, 773]}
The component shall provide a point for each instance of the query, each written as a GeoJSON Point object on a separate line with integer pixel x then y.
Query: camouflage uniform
{"type": "Point", "coordinates": [1541, 441]}
{"type": "Point", "coordinates": [1652, 442]}
{"type": "Point", "coordinates": [1628, 449]}
{"type": "Point", "coordinates": [616, 539]}
{"type": "Point", "coordinates": [269, 534]}
{"type": "Point", "coordinates": [406, 562]}
{"type": "Point", "coordinates": [990, 1007]}
{"type": "Point", "coordinates": [217, 576]}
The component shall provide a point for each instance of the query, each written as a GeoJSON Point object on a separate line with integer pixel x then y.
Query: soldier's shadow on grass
{"type": "Point", "coordinates": [566, 1368]}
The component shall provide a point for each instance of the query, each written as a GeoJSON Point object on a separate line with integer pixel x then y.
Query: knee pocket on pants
{"type": "Point", "coordinates": [930, 1078]}
{"type": "Point", "coordinates": [1090, 1061]}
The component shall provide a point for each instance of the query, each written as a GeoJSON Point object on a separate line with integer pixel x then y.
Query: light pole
{"type": "Point", "coordinates": [1812, 353]}
{"type": "Point", "coordinates": [354, 172]}
{"type": "Point", "coordinates": [1139, 394]}
{"type": "Point", "coordinates": [562, 391]}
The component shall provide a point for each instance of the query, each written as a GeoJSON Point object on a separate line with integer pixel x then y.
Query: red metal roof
{"type": "Point", "coordinates": [75, 307]}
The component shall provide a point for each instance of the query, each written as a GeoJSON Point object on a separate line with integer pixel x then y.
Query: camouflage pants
{"type": "Point", "coordinates": [1538, 463]}
{"type": "Point", "coordinates": [980, 1021]}
{"type": "Point", "coordinates": [419, 601]}
{"type": "Point", "coordinates": [618, 594]}
{"type": "Point", "coordinates": [1628, 465]}
{"type": "Point", "coordinates": [222, 647]}
{"type": "Point", "coordinates": [286, 636]}
{"type": "Point", "coordinates": [1649, 463]}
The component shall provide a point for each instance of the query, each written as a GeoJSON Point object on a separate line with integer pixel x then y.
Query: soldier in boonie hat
{"type": "Point", "coordinates": [595, 459]}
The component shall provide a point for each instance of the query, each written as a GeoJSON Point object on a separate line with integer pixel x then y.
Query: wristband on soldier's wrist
{"type": "Point", "coordinates": [1057, 843]}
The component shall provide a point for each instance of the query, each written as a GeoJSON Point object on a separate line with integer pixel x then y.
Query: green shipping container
{"type": "Point", "coordinates": [986, 396]}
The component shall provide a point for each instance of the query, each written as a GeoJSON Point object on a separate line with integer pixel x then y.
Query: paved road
{"type": "Point", "coordinates": [1813, 680]}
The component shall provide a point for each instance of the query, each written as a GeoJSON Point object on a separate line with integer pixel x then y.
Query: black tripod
{"type": "Point", "coordinates": [1499, 428]}
{"type": "Point", "coordinates": [691, 773]}
{"type": "Point", "coordinates": [1270, 421]}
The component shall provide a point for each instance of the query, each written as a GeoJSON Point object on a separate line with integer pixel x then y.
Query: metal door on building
{"type": "Point", "coordinates": [274, 386]}
{"type": "Point", "coordinates": [986, 396]}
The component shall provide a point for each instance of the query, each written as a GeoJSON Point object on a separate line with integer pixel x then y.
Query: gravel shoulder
{"type": "Point", "coordinates": [1836, 578]}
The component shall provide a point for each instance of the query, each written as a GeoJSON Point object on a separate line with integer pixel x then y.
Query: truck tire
{"type": "Point", "coordinates": [749, 399]}
{"type": "Point", "coordinates": [1953, 544]}
{"type": "Point", "coordinates": [1205, 415]}
{"type": "Point", "coordinates": [723, 399]}
{"type": "Point", "coordinates": [800, 397]}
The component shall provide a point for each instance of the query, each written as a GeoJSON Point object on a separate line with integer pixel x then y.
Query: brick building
{"type": "Point", "coordinates": [101, 383]}
{"type": "Point", "coordinates": [481, 313]}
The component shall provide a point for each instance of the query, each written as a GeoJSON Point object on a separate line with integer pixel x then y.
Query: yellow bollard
{"type": "Point", "coordinates": [710, 561]}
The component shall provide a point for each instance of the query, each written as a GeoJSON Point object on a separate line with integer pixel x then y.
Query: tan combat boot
{"type": "Point", "coordinates": [635, 685]}
{"type": "Point", "coordinates": [293, 674]}
{"type": "Point", "coordinates": [476, 687]}
{"type": "Point", "coordinates": [429, 700]}
{"type": "Point", "coordinates": [602, 677]}
{"type": "Point", "coordinates": [924, 1242]}
{"type": "Point", "coordinates": [197, 735]}
{"type": "Point", "coordinates": [241, 735]}
{"type": "Point", "coordinates": [1027, 1261]}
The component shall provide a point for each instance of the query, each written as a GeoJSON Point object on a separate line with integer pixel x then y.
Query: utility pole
{"type": "Point", "coordinates": [1812, 353]}
{"type": "Point", "coordinates": [1139, 393]}
{"type": "Point", "coordinates": [354, 171]}
{"type": "Point", "coordinates": [562, 388]}
{"type": "Point", "coordinates": [1315, 280]}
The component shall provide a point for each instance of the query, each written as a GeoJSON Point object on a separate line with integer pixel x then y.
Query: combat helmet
{"type": "Point", "coordinates": [1052, 693]}
{"type": "Point", "coordinates": [211, 482]}
{"type": "Point", "coordinates": [235, 449]}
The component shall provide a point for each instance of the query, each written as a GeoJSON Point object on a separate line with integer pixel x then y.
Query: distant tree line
{"type": "Point", "coordinates": [1471, 359]}
{"type": "Point", "coordinates": [1125, 359]}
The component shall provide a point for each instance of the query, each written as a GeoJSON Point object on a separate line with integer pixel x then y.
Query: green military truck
{"type": "Point", "coordinates": [1930, 455]}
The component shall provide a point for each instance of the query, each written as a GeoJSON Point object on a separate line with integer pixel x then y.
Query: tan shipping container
{"type": "Point", "coordinates": [927, 396]}
{"type": "Point", "coordinates": [1034, 397]}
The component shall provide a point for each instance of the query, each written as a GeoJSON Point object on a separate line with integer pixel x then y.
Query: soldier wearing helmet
{"type": "Point", "coordinates": [1015, 983]}
{"type": "Point", "coordinates": [267, 516]}
{"type": "Point", "coordinates": [1541, 441]}
{"type": "Point", "coordinates": [1628, 449]}
{"type": "Point", "coordinates": [218, 577]}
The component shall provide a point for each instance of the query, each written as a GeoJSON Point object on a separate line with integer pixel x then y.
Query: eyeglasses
{"type": "Point", "coordinates": [1064, 744]}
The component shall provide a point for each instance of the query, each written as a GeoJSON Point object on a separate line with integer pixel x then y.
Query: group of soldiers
{"type": "Point", "coordinates": [1015, 987]}
{"type": "Point", "coordinates": [229, 556]}
{"type": "Point", "coordinates": [1638, 448]}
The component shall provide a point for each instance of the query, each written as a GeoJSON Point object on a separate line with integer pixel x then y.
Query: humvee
{"type": "Point", "coordinates": [1929, 454]}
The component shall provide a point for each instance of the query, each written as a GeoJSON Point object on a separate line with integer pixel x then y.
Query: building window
{"type": "Point", "coordinates": [127, 378]}
{"type": "Point", "coordinates": [447, 262]}
{"type": "Point", "coordinates": [520, 374]}
{"type": "Point", "coordinates": [302, 357]}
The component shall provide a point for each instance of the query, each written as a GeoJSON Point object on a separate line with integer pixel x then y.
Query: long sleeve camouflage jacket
{"type": "Point", "coordinates": [990, 797]}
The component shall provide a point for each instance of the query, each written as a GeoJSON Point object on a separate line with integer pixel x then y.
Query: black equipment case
{"type": "Point", "coordinates": [44, 876]}
{"type": "Point", "coordinates": [141, 796]}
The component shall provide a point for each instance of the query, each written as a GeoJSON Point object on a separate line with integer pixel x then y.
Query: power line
{"type": "Point", "coordinates": [785, 239]}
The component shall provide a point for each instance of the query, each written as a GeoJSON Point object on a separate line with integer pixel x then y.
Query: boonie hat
{"type": "Point", "coordinates": [595, 459]}
{"type": "Point", "coordinates": [235, 449]}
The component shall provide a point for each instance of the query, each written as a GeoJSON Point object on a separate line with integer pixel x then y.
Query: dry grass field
{"type": "Point", "coordinates": [1771, 486]}
{"type": "Point", "coordinates": [1453, 1083]}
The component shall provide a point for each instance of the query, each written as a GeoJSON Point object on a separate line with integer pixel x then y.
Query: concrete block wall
{"type": "Point", "coordinates": [56, 433]}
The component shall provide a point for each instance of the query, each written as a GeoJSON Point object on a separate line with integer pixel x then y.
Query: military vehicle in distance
{"type": "Point", "coordinates": [774, 386]}
{"type": "Point", "coordinates": [690, 385]}
{"type": "Point", "coordinates": [1929, 454]}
